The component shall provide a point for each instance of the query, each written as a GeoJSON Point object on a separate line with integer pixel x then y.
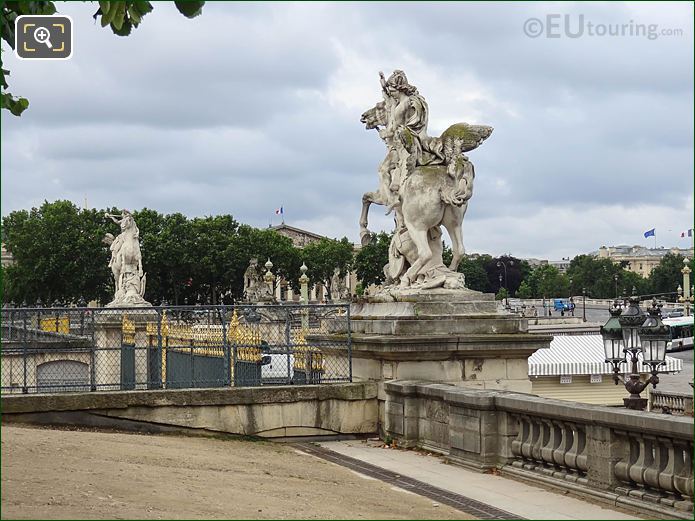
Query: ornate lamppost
{"type": "Point", "coordinates": [269, 279]}
{"type": "Point", "coordinates": [502, 264]}
{"type": "Point", "coordinates": [626, 334]}
{"type": "Point", "coordinates": [304, 299]}
{"type": "Point", "coordinates": [687, 296]}
{"type": "Point", "coordinates": [583, 304]}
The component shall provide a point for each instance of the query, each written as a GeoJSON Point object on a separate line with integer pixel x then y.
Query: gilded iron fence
{"type": "Point", "coordinates": [173, 347]}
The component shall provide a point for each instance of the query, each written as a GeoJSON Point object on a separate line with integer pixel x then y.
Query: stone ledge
{"type": "Point", "coordinates": [444, 347]}
{"type": "Point", "coordinates": [610, 498]}
{"type": "Point", "coordinates": [509, 401]}
{"type": "Point", "coordinates": [30, 403]}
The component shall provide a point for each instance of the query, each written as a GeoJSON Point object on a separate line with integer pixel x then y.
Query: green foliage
{"type": "Point", "coordinates": [473, 270]}
{"type": "Point", "coordinates": [209, 267]}
{"type": "Point", "coordinates": [524, 290]}
{"type": "Point", "coordinates": [546, 281]}
{"type": "Point", "coordinates": [262, 244]}
{"type": "Point", "coordinates": [120, 16]}
{"type": "Point", "coordinates": [371, 259]}
{"type": "Point", "coordinates": [58, 254]}
{"type": "Point", "coordinates": [190, 9]}
{"type": "Point", "coordinates": [598, 277]}
{"type": "Point", "coordinates": [667, 276]}
{"type": "Point", "coordinates": [502, 294]}
{"type": "Point", "coordinates": [324, 256]}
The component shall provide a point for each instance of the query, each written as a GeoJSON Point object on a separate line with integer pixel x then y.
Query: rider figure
{"type": "Point", "coordinates": [125, 223]}
{"type": "Point", "coordinates": [406, 126]}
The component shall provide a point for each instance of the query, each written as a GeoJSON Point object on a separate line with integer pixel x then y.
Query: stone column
{"type": "Point", "coordinates": [304, 299]}
{"type": "Point", "coordinates": [105, 369]}
{"type": "Point", "coordinates": [686, 285]}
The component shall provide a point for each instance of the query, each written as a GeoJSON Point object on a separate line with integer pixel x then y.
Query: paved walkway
{"type": "Point", "coordinates": [506, 494]}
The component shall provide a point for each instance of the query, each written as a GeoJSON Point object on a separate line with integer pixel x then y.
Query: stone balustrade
{"type": "Point", "coordinates": [675, 403]}
{"type": "Point", "coordinates": [634, 458]}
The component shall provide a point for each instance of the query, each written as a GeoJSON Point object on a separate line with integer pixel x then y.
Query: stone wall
{"type": "Point", "coordinates": [271, 412]}
{"type": "Point", "coordinates": [634, 458]}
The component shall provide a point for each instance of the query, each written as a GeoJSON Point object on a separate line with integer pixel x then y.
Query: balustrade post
{"type": "Point", "coordinates": [604, 449]}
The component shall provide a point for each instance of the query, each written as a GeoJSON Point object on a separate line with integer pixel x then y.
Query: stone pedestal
{"type": "Point", "coordinates": [456, 337]}
{"type": "Point", "coordinates": [109, 354]}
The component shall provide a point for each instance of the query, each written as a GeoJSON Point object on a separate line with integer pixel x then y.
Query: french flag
{"type": "Point", "coordinates": [279, 211]}
{"type": "Point", "coordinates": [689, 233]}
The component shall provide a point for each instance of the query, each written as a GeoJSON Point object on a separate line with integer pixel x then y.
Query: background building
{"type": "Point", "coordinates": [639, 259]}
{"type": "Point", "coordinates": [6, 257]}
{"type": "Point", "coordinates": [301, 238]}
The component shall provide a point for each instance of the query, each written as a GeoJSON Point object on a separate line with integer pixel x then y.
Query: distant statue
{"type": "Point", "coordinates": [255, 289]}
{"type": "Point", "coordinates": [126, 263]}
{"type": "Point", "coordinates": [427, 181]}
{"type": "Point", "coordinates": [339, 290]}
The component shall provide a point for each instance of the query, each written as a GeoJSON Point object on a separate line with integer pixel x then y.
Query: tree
{"type": "Point", "coordinates": [546, 281]}
{"type": "Point", "coordinates": [120, 16]}
{"type": "Point", "coordinates": [323, 257]}
{"type": "Point", "coordinates": [58, 254]}
{"type": "Point", "coordinates": [667, 276]}
{"type": "Point", "coordinates": [371, 259]}
{"type": "Point", "coordinates": [474, 272]}
{"type": "Point", "coordinates": [516, 271]}
{"type": "Point", "coordinates": [210, 267]}
{"type": "Point", "coordinates": [524, 290]}
{"type": "Point", "coordinates": [263, 244]}
{"type": "Point", "coordinates": [502, 294]}
{"type": "Point", "coordinates": [598, 277]}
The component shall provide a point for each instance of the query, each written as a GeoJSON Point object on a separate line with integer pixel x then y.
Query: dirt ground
{"type": "Point", "coordinates": [59, 474]}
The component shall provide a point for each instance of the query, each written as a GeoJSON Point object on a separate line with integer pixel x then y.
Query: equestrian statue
{"type": "Point", "coordinates": [126, 263]}
{"type": "Point", "coordinates": [426, 182]}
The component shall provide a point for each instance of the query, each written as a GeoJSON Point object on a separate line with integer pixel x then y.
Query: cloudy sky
{"type": "Point", "coordinates": [250, 107]}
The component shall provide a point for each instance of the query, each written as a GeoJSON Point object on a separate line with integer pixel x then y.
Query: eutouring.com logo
{"type": "Point", "coordinates": [577, 26]}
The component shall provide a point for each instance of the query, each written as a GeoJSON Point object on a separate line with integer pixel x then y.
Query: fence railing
{"type": "Point", "coordinates": [89, 349]}
{"type": "Point", "coordinates": [670, 402]}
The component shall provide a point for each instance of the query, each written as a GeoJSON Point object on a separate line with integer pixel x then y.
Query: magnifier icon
{"type": "Point", "coordinates": [42, 35]}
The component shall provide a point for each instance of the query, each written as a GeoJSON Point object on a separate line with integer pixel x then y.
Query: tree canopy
{"type": "Point", "coordinates": [59, 255]}
{"type": "Point", "coordinates": [371, 259]}
{"type": "Point", "coordinates": [323, 257]}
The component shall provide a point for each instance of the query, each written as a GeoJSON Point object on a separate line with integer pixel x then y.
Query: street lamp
{"type": "Point", "coordinates": [628, 333]}
{"type": "Point", "coordinates": [583, 304]}
{"type": "Point", "coordinates": [502, 264]}
{"type": "Point", "coordinates": [615, 278]}
{"type": "Point", "coordinates": [687, 294]}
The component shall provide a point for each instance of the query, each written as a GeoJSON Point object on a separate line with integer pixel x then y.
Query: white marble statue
{"type": "Point", "coordinates": [255, 289]}
{"type": "Point", "coordinates": [427, 181]}
{"type": "Point", "coordinates": [126, 263]}
{"type": "Point", "coordinates": [339, 289]}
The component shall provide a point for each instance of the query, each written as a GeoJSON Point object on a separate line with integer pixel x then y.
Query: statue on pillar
{"type": "Point", "coordinates": [126, 263]}
{"type": "Point", "coordinates": [254, 287]}
{"type": "Point", "coordinates": [339, 290]}
{"type": "Point", "coordinates": [426, 181]}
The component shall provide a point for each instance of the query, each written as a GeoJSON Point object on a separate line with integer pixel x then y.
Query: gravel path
{"type": "Point", "coordinates": [59, 474]}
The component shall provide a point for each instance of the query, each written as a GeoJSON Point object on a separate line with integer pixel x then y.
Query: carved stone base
{"type": "Point", "coordinates": [456, 337]}
{"type": "Point", "coordinates": [131, 303]}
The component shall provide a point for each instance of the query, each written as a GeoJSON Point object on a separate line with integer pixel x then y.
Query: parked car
{"type": "Point", "coordinates": [561, 304]}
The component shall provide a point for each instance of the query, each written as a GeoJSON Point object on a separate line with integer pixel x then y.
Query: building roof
{"type": "Point", "coordinates": [283, 226]}
{"type": "Point", "coordinates": [581, 354]}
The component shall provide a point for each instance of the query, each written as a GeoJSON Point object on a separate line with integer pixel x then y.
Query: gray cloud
{"type": "Point", "coordinates": [253, 106]}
